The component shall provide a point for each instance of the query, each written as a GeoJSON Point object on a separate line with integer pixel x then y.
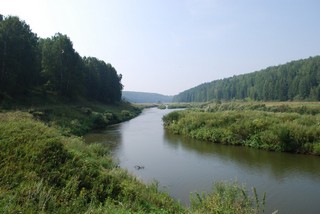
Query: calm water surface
{"type": "Point", "coordinates": [181, 166]}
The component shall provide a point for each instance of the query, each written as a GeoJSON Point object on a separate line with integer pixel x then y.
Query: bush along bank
{"type": "Point", "coordinates": [286, 132]}
{"type": "Point", "coordinates": [79, 119]}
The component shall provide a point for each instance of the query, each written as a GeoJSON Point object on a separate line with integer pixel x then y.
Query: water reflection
{"type": "Point", "coordinates": [111, 137]}
{"type": "Point", "coordinates": [281, 165]}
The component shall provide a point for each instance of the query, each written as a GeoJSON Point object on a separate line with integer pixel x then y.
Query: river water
{"type": "Point", "coordinates": [182, 166]}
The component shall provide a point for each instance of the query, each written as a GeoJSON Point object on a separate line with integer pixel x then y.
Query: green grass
{"type": "Point", "coordinates": [162, 106]}
{"type": "Point", "coordinates": [228, 197]}
{"type": "Point", "coordinates": [312, 108]}
{"type": "Point", "coordinates": [80, 118]}
{"type": "Point", "coordinates": [276, 128]}
{"type": "Point", "coordinates": [71, 117]}
{"type": "Point", "coordinates": [43, 171]}
{"type": "Point", "coordinates": [180, 105]}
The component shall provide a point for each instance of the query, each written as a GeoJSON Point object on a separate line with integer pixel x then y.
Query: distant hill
{"type": "Point", "coordinates": [296, 80]}
{"type": "Point", "coordinates": [145, 97]}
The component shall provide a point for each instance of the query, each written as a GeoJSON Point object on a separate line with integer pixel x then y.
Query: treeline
{"type": "Point", "coordinates": [296, 80]}
{"type": "Point", "coordinates": [29, 64]}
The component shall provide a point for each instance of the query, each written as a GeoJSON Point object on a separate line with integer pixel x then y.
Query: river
{"type": "Point", "coordinates": [182, 166]}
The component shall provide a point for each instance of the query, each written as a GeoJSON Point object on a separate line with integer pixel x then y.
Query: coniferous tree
{"type": "Point", "coordinates": [61, 66]}
{"type": "Point", "coordinates": [18, 56]}
{"type": "Point", "coordinates": [102, 81]}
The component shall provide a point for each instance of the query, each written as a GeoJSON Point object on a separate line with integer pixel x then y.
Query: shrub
{"type": "Point", "coordinates": [171, 118]}
{"type": "Point", "coordinates": [316, 148]}
{"type": "Point", "coordinates": [162, 107]}
{"type": "Point", "coordinates": [287, 132]}
{"type": "Point", "coordinates": [99, 121]}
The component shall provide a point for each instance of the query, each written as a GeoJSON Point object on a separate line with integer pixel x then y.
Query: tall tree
{"type": "Point", "coordinates": [18, 56]}
{"type": "Point", "coordinates": [61, 66]}
{"type": "Point", "coordinates": [102, 81]}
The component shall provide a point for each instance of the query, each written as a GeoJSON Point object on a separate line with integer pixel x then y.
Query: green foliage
{"type": "Point", "coordinates": [161, 106]}
{"type": "Point", "coordinates": [51, 66]}
{"type": "Point", "coordinates": [179, 105]}
{"type": "Point", "coordinates": [102, 82]}
{"type": "Point", "coordinates": [19, 70]}
{"type": "Point", "coordinates": [78, 120]}
{"type": "Point", "coordinates": [227, 198]}
{"type": "Point", "coordinates": [99, 121]}
{"type": "Point", "coordinates": [276, 131]}
{"type": "Point", "coordinates": [296, 80]}
{"type": "Point", "coordinates": [61, 66]}
{"type": "Point", "coordinates": [44, 172]}
{"type": "Point", "coordinates": [171, 118]}
{"type": "Point", "coordinates": [316, 148]}
{"type": "Point", "coordinates": [288, 107]}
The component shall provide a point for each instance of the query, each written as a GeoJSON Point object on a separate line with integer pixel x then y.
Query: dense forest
{"type": "Point", "coordinates": [296, 80]}
{"type": "Point", "coordinates": [51, 66]}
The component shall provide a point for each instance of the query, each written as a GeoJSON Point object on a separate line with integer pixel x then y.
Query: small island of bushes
{"type": "Point", "coordinates": [285, 127]}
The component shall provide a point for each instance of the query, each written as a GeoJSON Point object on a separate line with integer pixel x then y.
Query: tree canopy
{"type": "Point", "coordinates": [296, 80]}
{"type": "Point", "coordinates": [51, 65]}
{"type": "Point", "coordinates": [18, 56]}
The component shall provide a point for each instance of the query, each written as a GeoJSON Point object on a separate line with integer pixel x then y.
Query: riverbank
{"type": "Point", "coordinates": [45, 168]}
{"type": "Point", "coordinates": [285, 127]}
{"type": "Point", "coordinates": [45, 171]}
{"type": "Point", "coordinates": [75, 118]}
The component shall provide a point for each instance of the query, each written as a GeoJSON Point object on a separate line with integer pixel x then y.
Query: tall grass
{"type": "Point", "coordinates": [43, 171]}
{"type": "Point", "coordinates": [80, 118]}
{"type": "Point", "coordinates": [228, 197]}
{"type": "Point", "coordinates": [287, 107]}
{"type": "Point", "coordinates": [276, 131]}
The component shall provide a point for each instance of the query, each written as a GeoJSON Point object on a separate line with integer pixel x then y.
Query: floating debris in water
{"type": "Point", "coordinates": [137, 167]}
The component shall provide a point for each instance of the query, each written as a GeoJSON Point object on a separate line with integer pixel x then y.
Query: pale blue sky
{"type": "Point", "coordinates": [168, 46]}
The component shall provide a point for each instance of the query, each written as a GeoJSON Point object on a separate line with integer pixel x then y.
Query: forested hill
{"type": "Point", "coordinates": [30, 65]}
{"type": "Point", "coordinates": [296, 80]}
{"type": "Point", "coordinates": [144, 97]}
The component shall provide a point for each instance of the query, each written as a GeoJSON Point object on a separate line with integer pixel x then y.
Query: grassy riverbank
{"type": "Point", "coordinates": [286, 127]}
{"type": "Point", "coordinates": [46, 169]}
{"type": "Point", "coordinates": [75, 118]}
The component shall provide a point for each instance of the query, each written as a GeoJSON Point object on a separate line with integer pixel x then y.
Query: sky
{"type": "Point", "coordinates": [168, 46]}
